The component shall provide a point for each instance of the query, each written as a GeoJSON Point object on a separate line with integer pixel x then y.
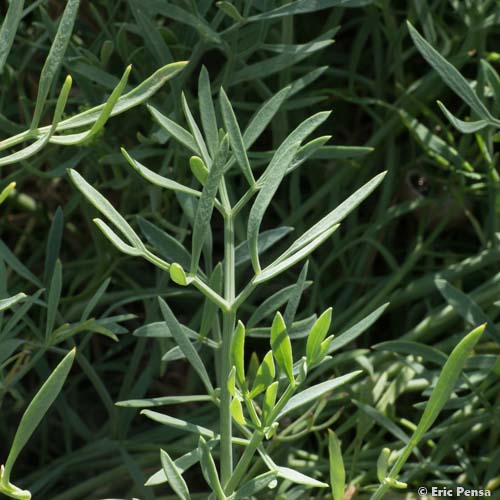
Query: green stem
{"type": "Point", "coordinates": [228, 325]}
{"type": "Point", "coordinates": [382, 489]}
{"type": "Point", "coordinates": [245, 461]}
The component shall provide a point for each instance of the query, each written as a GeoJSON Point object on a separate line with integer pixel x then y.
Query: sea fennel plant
{"type": "Point", "coordinates": [251, 400]}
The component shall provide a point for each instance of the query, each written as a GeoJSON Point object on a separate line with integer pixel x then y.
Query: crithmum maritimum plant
{"type": "Point", "coordinates": [254, 399]}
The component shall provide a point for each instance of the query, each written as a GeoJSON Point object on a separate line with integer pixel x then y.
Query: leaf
{"type": "Point", "coordinates": [195, 131]}
{"type": "Point", "coordinates": [267, 239]}
{"type": "Point", "coordinates": [434, 145]}
{"type": "Point", "coordinates": [316, 337]}
{"type": "Point", "coordinates": [265, 375]}
{"type": "Point", "coordinates": [115, 239]}
{"type": "Point", "coordinates": [167, 246]}
{"type": "Point", "coordinates": [238, 352]}
{"type": "Point", "coordinates": [176, 131]}
{"type": "Point", "coordinates": [199, 169]}
{"type": "Point", "coordinates": [6, 192]}
{"type": "Point", "coordinates": [8, 30]}
{"type": "Point", "coordinates": [282, 347]}
{"type": "Point", "coordinates": [158, 180]}
{"type": "Point", "coordinates": [54, 58]}
{"type": "Point", "coordinates": [335, 216]}
{"type": "Point", "coordinates": [446, 382]}
{"type": "Point", "coordinates": [294, 299]}
{"type": "Point", "coordinates": [174, 476]}
{"type": "Point", "coordinates": [269, 402]}
{"type": "Point", "coordinates": [136, 96]}
{"type": "Point", "coordinates": [17, 265]}
{"type": "Point", "coordinates": [177, 274]}
{"type": "Point", "coordinates": [383, 464]}
{"type": "Point", "coordinates": [428, 353]}
{"type": "Point", "coordinates": [209, 470]}
{"type": "Point", "coordinates": [337, 470]}
{"type": "Point", "coordinates": [307, 151]}
{"type": "Point", "coordinates": [237, 412]}
{"type": "Point", "coordinates": [466, 307]}
{"type": "Point", "coordinates": [315, 392]}
{"type": "Point", "coordinates": [465, 127]}
{"type": "Point", "coordinates": [163, 401]}
{"type": "Point", "coordinates": [263, 117]}
{"type": "Point", "coordinates": [293, 55]}
{"type": "Point", "coordinates": [98, 125]}
{"type": "Point", "coordinates": [105, 207]}
{"type": "Point", "coordinates": [282, 264]}
{"type": "Point", "coordinates": [185, 344]}
{"type": "Point", "coordinates": [178, 423]}
{"type": "Point", "coordinates": [235, 137]}
{"type": "Point", "coordinates": [305, 6]}
{"type": "Point", "coordinates": [270, 305]}
{"type": "Point", "coordinates": [229, 9]}
{"type": "Point", "coordinates": [206, 204]}
{"type": "Point", "coordinates": [207, 112]}
{"type": "Point", "coordinates": [36, 146]}
{"type": "Point", "coordinates": [255, 485]}
{"type": "Point", "coordinates": [10, 301]}
{"type": "Point", "coordinates": [36, 410]}
{"type": "Point", "coordinates": [276, 169]}
{"type": "Point", "coordinates": [53, 300]}
{"type": "Point", "coordinates": [299, 478]}
{"type": "Point", "coordinates": [356, 330]}
{"type": "Point", "coordinates": [53, 244]}
{"type": "Point", "coordinates": [450, 75]}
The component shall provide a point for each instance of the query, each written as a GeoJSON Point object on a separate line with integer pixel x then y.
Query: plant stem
{"type": "Point", "coordinates": [228, 325]}
{"type": "Point", "coordinates": [245, 461]}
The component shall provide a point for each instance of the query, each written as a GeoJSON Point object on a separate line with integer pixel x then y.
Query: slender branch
{"type": "Point", "coordinates": [228, 325]}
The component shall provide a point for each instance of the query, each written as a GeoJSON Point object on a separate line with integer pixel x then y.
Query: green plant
{"type": "Point", "coordinates": [29, 422]}
{"type": "Point", "coordinates": [95, 117]}
{"type": "Point", "coordinates": [266, 396]}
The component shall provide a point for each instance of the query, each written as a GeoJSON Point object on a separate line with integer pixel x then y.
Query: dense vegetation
{"type": "Point", "coordinates": [413, 267]}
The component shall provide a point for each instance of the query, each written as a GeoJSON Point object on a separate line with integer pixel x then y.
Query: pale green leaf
{"type": "Point", "coordinates": [174, 476]}
{"type": "Point", "coordinates": [37, 409]}
{"type": "Point", "coordinates": [185, 344]}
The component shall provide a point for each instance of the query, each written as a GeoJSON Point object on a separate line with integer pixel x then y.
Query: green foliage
{"type": "Point", "coordinates": [412, 268]}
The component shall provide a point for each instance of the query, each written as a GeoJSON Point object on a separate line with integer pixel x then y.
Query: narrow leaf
{"type": "Point", "coordinates": [174, 476]}
{"type": "Point", "coordinates": [317, 335]}
{"type": "Point", "coordinates": [282, 347]}
{"type": "Point", "coordinates": [337, 471]}
{"type": "Point", "coordinates": [315, 392]}
{"type": "Point", "coordinates": [450, 75]}
{"type": "Point", "coordinates": [206, 204]}
{"type": "Point", "coordinates": [37, 409]}
{"type": "Point", "coordinates": [185, 344]}
{"type": "Point", "coordinates": [105, 207]}
{"type": "Point", "coordinates": [207, 111]}
{"type": "Point", "coordinates": [54, 58]}
{"type": "Point", "coordinates": [235, 138]}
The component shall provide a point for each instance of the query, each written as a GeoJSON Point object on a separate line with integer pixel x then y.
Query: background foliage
{"type": "Point", "coordinates": [435, 217]}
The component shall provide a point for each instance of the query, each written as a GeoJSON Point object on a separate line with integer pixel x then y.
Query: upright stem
{"type": "Point", "coordinates": [228, 325]}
